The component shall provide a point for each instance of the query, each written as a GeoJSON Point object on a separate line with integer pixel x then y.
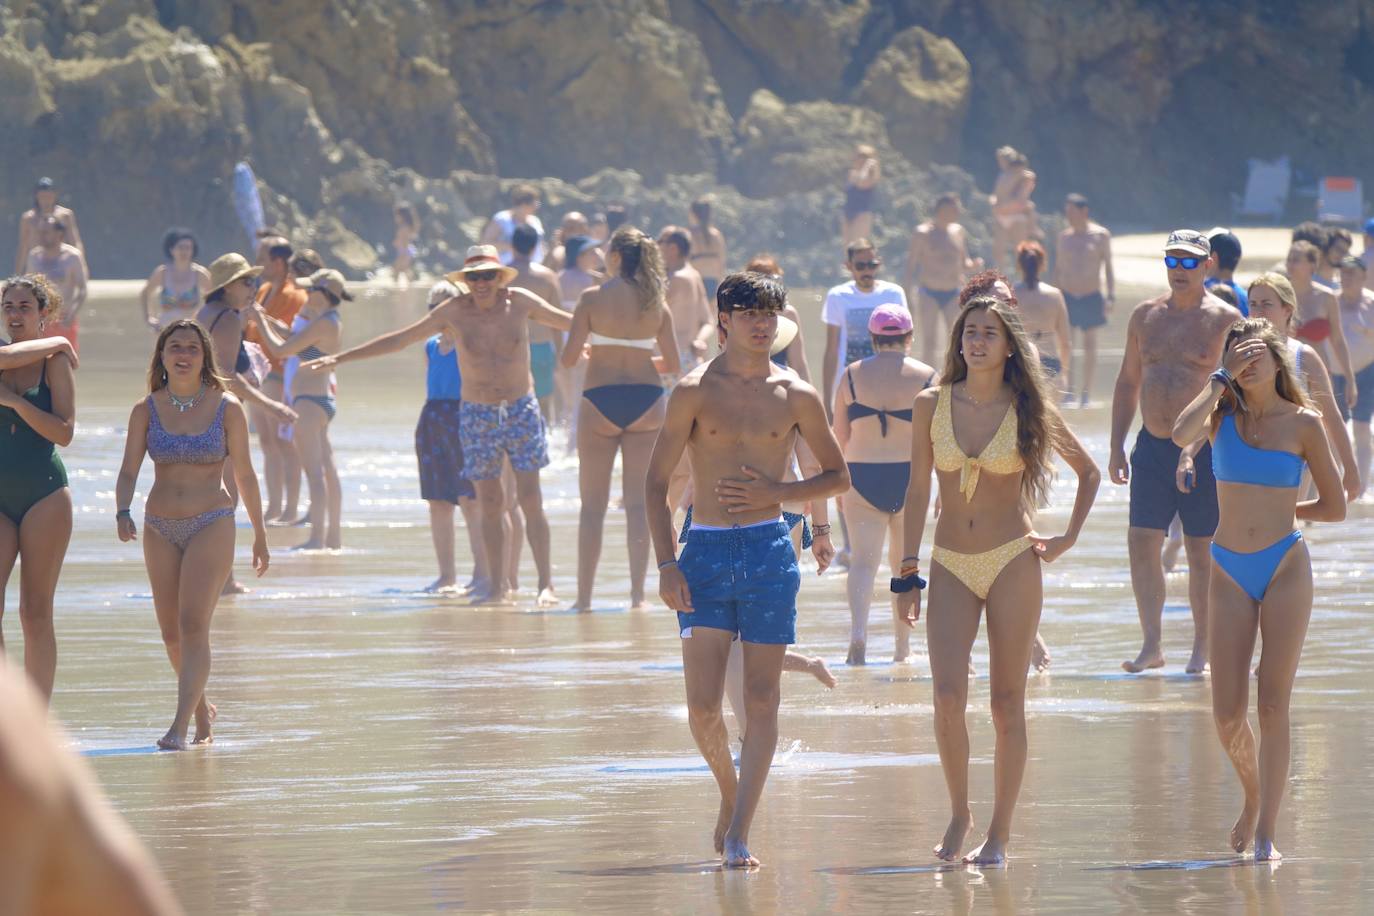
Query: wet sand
{"type": "Point", "coordinates": [383, 750]}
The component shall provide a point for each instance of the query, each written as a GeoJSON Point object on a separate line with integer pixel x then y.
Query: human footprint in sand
{"type": "Point", "coordinates": [189, 425]}
{"type": "Point", "coordinates": [738, 417]}
{"type": "Point", "coordinates": [500, 421]}
{"type": "Point", "coordinates": [987, 432]}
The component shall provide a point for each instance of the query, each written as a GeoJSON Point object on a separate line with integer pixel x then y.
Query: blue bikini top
{"type": "Point", "coordinates": [1236, 461]}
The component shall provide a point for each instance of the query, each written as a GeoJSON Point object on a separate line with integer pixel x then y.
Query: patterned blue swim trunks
{"type": "Point", "coordinates": [490, 433]}
{"type": "Point", "coordinates": [744, 580]}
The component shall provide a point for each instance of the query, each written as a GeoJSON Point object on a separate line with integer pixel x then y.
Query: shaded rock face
{"type": "Point", "coordinates": [570, 88]}
{"type": "Point", "coordinates": [140, 108]}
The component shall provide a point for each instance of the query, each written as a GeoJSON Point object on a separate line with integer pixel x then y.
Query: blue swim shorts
{"type": "Point", "coordinates": [489, 433]}
{"type": "Point", "coordinates": [744, 580]}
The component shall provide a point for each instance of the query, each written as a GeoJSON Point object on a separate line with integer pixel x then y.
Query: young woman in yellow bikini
{"type": "Point", "coordinates": [987, 431]}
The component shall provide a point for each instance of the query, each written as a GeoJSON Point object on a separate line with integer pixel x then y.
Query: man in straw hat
{"type": "Point", "coordinates": [738, 417]}
{"type": "Point", "coordinates": [499, 419]}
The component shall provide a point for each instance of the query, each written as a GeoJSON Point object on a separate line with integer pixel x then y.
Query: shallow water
{"type": "Point", "coordinates": [380, 749]}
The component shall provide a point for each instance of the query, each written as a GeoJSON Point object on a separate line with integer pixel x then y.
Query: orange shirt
{"type": "Point", "coordinates": [283, 305]}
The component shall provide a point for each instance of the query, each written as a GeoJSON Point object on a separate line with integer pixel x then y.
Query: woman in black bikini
{"type": "Point", "coordinates": [876, 437]}
{"type": "Point", "coordinates": [622, 321]}
{"type": "Point", "coordinates": [37, 414]}
{"type": "Point", "coordinates": [189, 425]}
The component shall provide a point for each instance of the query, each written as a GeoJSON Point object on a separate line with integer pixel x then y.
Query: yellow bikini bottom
{"type": "Point", "coordinates": [979, 570]}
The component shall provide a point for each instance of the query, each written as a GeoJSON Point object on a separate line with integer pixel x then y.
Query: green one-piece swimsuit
{"type": "Point", "coordinates": [30, 468]}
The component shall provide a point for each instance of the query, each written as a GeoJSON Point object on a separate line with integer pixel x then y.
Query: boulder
{"type": "Point", "coordinates": [566, 89]}
{"type": "Point", "coordinates": [920, 84]}
{"type": "Point", "coordinates": [786, 148]}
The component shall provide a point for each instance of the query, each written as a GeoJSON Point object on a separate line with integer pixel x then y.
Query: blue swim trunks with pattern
{"type": "Point", "coordinates": [489, 433]}
{"type": "Point", "coordinates": [744, 580]}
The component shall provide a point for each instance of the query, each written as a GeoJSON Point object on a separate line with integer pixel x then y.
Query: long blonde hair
{"type": "Point", "coordinates": [641, 265]}
{"type": "Point", "coordinates": [1286, 381]}
{"type": "Point", "coordinates": [1036, 415]}
{"type": "Point", "coordinates": [209, 371]}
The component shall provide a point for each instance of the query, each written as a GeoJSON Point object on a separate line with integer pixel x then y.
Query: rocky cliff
{"type": "Point", "coordinates": [140, 108]}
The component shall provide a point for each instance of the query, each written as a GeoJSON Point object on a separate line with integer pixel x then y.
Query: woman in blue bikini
{"type": "Point", "coordinates": [621, 323]}
{"type": "Point", "coordinates": [1263, 431]}
{"type": "Point", "coordinates": [189, 425]}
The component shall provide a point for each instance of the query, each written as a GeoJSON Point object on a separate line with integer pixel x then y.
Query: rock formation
{"type": "Point", "coordinates": [140, 108]}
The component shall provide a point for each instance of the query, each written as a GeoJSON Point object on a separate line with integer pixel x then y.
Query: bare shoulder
{"type": "Point", "coordinates": [1310, 421]}
{"type": "Point", "coordinates": [914, 368]}
{"type": "Point", "coordinates": [1100, 231]}
{"type": "Point", "coordinates": [924, 405]}
{"type": "Point", "coordinates": [233, 406]}
{"type": "Point", "coordinates": [798, 391]}
{"type": "Point", "coordinates": [140, 412]}
{"type": "Point", "coordinates": [693, 382]}
{"type": "Point", "coordinates": [1143, 310]}
{"type": "Point", "coordinates": [1221, 311]}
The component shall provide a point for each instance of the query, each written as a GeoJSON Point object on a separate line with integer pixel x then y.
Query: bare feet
{"type": "Point", "coordinates": [1147, 659]}
{"type": "Point", "coordinates": [1265, 851]}
{"type": "Point", "coordinates": [334, 542]}
{"type": "Point", "coordinates": [1040, 653]}
{"type": "Point", "coordinates": [234, 587]}
{"type": "Point", "coordinates": [546, 598]}
{"type": "Point", "coordinates": [172, 742]}
{"type": "Point", "coordinates": [311, 544]}
{"type": "Point", "coordinates": [955, 834]}
{"type": "Point", "coordinates": [856, 654]}
{"type": "Point", "coordinates": [206, 714]}
{"type": "Point", "coordinates": [442, 584]}
{"type": "Point", "coordinates": [820, 670]}
{"type": "Point", "coordinates": [643, 604]}
{"type": "Point", "coordinates": [1169, 555]}
{"type": "Point", "coordinates": [1197, 664]}
{"type": "Point", "coordinates": [727, 812]}
{"type": "Point", "coordinates": [489, 595]}
{"type": "Point", "coordinates": [737, 855]}
{"type": "Point", "coordinates": [1244, 830]}
{"type": "Point", "coordinates": [992, 854]}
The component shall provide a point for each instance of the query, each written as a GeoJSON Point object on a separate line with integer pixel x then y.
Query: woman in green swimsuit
{"type": "Point", "coordinates": [37, 413]}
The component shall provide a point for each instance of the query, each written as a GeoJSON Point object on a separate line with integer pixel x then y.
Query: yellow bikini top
{"type": "Point", "coordinates": [1000, 456]}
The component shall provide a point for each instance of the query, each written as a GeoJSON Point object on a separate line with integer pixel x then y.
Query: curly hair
{"type": "Point", "coordinates": [209, 371]}
{"type": "Point", "coordinates": [1031, 395]}
{"type": "Point", "coordinates": [49, 299]}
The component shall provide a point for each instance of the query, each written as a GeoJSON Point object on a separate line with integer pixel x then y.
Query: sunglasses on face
{"type": "Point", "coordinates": [1186, 263]}
{"type": "Point", "coordinates": [867, 265]}
{"type": "Point", "coordinates": [483, 276]}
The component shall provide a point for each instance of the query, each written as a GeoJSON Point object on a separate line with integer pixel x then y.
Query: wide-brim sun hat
{"type": "Point", "coordinates": [482, 258]}
{"type": "Point", "coordinates": [787, 332]}
{"type": "Point", "coordinates": [228, 268]}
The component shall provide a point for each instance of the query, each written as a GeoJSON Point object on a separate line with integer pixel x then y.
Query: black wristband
{"type": "Point", "coordinates": [123, 512]}
{"type": "Point", "coordinates": [900, 586]}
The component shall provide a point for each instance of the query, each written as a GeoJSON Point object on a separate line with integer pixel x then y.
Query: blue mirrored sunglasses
{"type": "Point", "coordinates": [1186, 263]}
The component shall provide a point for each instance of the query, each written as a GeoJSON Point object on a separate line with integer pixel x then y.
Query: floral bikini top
{"type": "Point", "coordinates": [193, 448]}
{"type": "Point", "coordinates": [999, 456]}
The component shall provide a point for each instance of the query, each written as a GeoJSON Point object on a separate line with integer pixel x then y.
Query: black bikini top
{"type": "Point", "coordinates": [857, 411]}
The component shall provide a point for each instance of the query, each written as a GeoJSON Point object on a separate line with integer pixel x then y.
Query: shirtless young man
{"type": "Point", "coordinates": [545, 342]}
{"type": "Point", "coordinates": [65, 266]}
{"type": "Point", "coordinates": [738, 417]}
{"type": "Point", "coordinates": [1082, 254]}
{"type": "Point", "coordinates": [499, 419]}
{"type": "Point", "coordinates": [936, 264]}
{"type": "Point", "coordinates": [1173, 343]}
{"type": "Point", "coordinates": [63, 849]}
{"type": "Point", "coordinates": [686, 294]}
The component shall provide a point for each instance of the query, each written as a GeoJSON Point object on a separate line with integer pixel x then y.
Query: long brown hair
{"type": "Point", "coordinates": [1286, 381]}
{"type": "Point", "coordinates": [1036, 416]}
{"type": "Point", "coordinates": [641, 265]}
{"type": "Point", "coordinates": [209, 371]}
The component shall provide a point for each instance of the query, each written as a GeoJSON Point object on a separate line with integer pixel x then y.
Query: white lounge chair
{"type": "Point", "coordinates": [1266, 189]}
{"type": "Point", "coordinates": [1341, 200]}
